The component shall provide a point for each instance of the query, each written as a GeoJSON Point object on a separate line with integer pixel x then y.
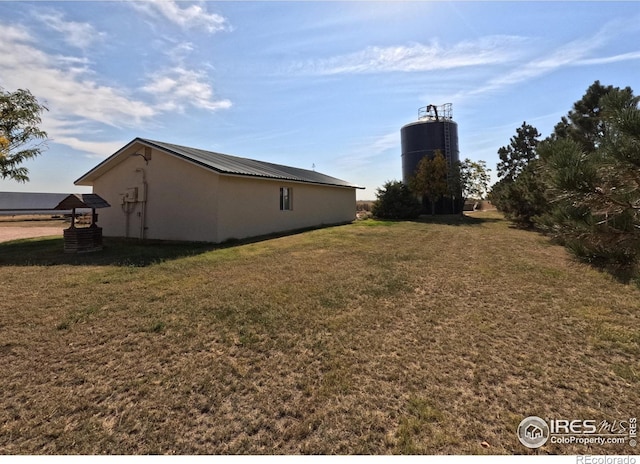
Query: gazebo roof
{"type": "Point", "coordinates": [83, 200]}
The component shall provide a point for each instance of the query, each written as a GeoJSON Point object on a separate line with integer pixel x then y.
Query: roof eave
{"type": "Point", "coordinates": [88, 178]}
{"type": "Point", "coordinates": [286, 179]}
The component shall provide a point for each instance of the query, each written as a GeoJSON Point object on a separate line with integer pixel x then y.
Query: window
{"type": "Point", "coordinates": [286, 199]}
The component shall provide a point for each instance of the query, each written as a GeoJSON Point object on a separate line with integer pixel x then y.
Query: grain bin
{"type": "Point", "coordinates": [434, 130]}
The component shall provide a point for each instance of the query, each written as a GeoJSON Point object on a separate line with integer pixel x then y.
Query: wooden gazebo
{"type": "Point", "coordinates": [82, 239]}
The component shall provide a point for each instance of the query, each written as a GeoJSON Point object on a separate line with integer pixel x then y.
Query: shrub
{"type": "Point", "coordinates": [394, 200]}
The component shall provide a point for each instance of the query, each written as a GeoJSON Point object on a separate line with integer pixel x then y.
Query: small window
{"type": "Point", "coordinates": [286, 199]}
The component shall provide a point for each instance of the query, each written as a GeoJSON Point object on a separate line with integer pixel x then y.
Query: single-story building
{"type": "Point", "coordinates": [159, 190]}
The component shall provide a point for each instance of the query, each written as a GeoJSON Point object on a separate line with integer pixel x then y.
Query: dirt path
{"type": "Point", "coordinates": [14, 233]}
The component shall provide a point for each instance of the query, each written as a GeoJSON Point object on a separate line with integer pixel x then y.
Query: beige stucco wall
{"type": "Point", "coordinates": [188, 202]}
{"type": "Point", "coordinates": [181, 199]}
{"type": "Point", "coordinates": [251, 207]}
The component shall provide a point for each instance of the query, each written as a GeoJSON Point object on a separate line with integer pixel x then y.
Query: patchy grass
{"type": "Point", "coordinates": [378, 337]}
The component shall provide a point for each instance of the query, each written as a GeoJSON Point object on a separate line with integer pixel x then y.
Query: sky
{"type": "Point", "coordinates": [322, 85]}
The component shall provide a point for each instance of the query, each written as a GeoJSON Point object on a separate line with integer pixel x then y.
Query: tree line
{"type": "Point", "coordinates": [580, 185]}
{"type": "Point", "coordinates": [434, 180]}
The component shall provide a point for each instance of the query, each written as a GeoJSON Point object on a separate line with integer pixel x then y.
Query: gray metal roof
{"type": "Point", "coordinates": [226, 164]}
{"type": "Point", "coordinates": [26, 201]}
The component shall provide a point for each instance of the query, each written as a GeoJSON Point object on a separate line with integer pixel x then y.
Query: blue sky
{"type": "Point", "coordinates": [326, 84]}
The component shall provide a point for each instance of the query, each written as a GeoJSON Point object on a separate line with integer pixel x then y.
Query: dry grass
{"type": "Point", "coordinates": [375, 337]}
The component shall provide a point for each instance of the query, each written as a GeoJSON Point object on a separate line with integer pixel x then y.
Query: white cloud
{"type": "Point", "coordinates": [69, 88]}
{"type": "Point", "coordinates": [66, 86]}
{"type": "Point", "coordinates": [573, 53]}
{"type": "Point", "coordinates": [368, 151]}
{"type": "Point", "coordinates": [193, 16]}
{"type": "Point", "coordinates": [566, 55]}
{"type": "Point", "coordinates": [417, 57]}
{"type": "Point", "coordinates": [95, 149]}
{"type": "Point", "coordinates": [609, 59]}
{"type": "Point", "coordinates": [179, 52]}
{"type": "Point", "coordinates": [76, 134]}
{"type": "Point", "coordinates": [178, 87]}
{"type": "Point", "coordinates": [80, 35]}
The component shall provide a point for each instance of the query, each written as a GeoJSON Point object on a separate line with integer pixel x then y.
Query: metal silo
{"type": "Point", "coordinates": [434, 130]}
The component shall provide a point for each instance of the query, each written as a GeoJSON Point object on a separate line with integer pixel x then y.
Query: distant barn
{"type": "Point", "coordinates": [164, 191]}
{"type": "Point", "coordinates": [18, 203]}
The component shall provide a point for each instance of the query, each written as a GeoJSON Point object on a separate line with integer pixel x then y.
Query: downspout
{"type": "Point", "coordinates": [143, 218]}
{"type": "Point", "coordinates": [127, 213]}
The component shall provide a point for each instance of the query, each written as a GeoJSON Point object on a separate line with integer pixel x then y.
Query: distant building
{"type": "Point", "coordinates": [19, 203]}
{"type": "Point", "coordinates": [163, 191]}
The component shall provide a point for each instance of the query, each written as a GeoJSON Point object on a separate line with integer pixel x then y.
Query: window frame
{"type": "Point", "coordinates": [286, 198]}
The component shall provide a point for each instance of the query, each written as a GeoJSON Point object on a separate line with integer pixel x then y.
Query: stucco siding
{"type": "Point", "coordinates": [251, 207]}
{"type": "Point", "coordinates": [176, 197]}
{"type": "Point", "coordinates": [181, 199]}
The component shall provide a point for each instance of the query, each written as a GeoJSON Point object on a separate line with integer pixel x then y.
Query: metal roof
{"type": "Point", "coordinates": [26, 201]}
{"type": "Point", "coordinates": [82, 200]}
{"type": "Point", "coordinates": [225, 164]}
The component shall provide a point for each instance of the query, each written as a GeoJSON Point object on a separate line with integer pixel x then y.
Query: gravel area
{"type": "Point", "coordinates": [14, 233]}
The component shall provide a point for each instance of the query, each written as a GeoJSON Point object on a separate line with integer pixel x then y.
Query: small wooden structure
{"type": "Point", "coordinates": [82, 239]}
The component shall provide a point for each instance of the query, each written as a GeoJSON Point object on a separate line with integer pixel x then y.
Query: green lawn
{"type": "Point", "coordinates": [375, 337]}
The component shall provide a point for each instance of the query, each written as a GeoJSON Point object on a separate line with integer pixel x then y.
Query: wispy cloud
{"type": "Point", "coordinates": [609, 59]}
{"type": "Point", "coordinates": [368, 151]}
{"type": "Point", "coordinates": [193, 16]}
{"type": "Point", "coordinates": [64, 82]}
{"type": "Point", "coordinates": [79, 35]}
{"type": "Point", "coordinates": [574, 53]}
{"type": "Point", "coordinates": [67, 87]}
{"type": "Point", "coordinates": [79, 135]}
{"type": "Point", "coordinates": [418, 57]}
{"type": "Point", "coordinates": [179, 51]}
{"type": "Point", "coordinates": [178, 87]}
{"type": "Point", "coordinates": [565, 55]}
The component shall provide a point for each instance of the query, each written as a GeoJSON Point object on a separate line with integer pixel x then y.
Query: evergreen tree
{"type": "Point", "coordinates": [584, 124]}
{"type": "Point", "coordinates": [595, 195]}
{"type": "Point", "coordinates": [520, 193]}
{"type": "Point", "coordinates": [394, 200]}
{"type": "Point", "coordinates": [520, 151]}
{"type": "Point", "coordinates": [522, 199]}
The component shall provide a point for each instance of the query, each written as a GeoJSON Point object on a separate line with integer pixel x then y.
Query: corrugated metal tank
{"type": "Point", "coordinates": [423, 138]}
{"type": "Point", "coordinates": [434, 130]}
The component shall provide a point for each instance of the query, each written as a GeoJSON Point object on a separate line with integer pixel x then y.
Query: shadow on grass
{"type": "Point", "coordinates": [441, 219]}
{"type": "Point", "coordinates": [624, 274]}
{"type": "Point", "coordinates": [459, 219]}
{"type": "Point", "coordinates": [118, 251]}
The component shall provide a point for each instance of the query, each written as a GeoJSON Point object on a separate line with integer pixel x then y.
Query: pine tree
{"type": "Point", "coordinates": [520, 193]}
{"type": "Point", "coordinates": [520, 151]}
{"type": "Point", "coordinates": [595, 195]}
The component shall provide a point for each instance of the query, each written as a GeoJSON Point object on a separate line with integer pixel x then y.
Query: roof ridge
{"type": "Point", "coordinates": [225, 164]}
{"type": "Point", "coordinates": [159, 142]}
